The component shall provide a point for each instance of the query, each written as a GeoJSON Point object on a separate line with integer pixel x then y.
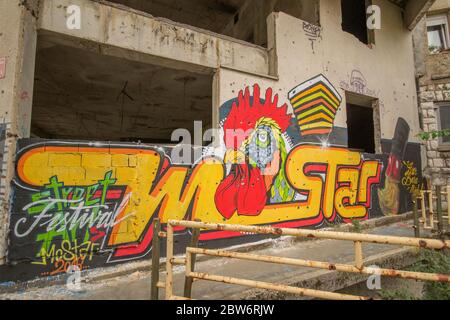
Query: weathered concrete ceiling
{"type": "Point", "coordinates": [84, 95]}
{"type": "Point", "coordinates": [401, 3]}
{"type": "Point", "coordinates": [241, 19]}
{"type": "Point", "coordinates": [211, 15]}
{"type": "Point", "coordinates": [113, 29]}
{"type": "Point", "coordinates": [222, 16]}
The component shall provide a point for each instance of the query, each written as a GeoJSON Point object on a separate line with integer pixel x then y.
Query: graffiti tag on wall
{"type": "Point", "coordinates": [411, 179]}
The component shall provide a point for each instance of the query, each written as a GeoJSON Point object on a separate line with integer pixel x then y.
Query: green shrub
{"type": "Point", "coordinates": [434, 262]}
{"type": "Point", "coordinates": [356, 226]}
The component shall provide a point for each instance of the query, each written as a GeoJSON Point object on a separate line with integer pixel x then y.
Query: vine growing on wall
{"type": "Point", "coordinates": [425, 136]}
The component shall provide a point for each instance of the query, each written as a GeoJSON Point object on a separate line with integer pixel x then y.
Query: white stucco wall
{"type": "Point", "coordinates": [388, 66]}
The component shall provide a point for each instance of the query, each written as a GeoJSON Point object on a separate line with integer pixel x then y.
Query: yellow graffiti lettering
{"type": "Point", "coordinates": [349, 209]}
{"type": "Point", "coordinates": [328, 181]}
{"type": "Point", "coordinates": [337, 182]}
{"type": "Point", "coordinates": [37, 166]}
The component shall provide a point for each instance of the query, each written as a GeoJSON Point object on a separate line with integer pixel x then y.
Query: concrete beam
{"type": "Point", "coordinates": [415, 10]}
{"type": "Point", "coordinates": [124, 32]}
{"type": "Point", "coordinates": [17, 52]}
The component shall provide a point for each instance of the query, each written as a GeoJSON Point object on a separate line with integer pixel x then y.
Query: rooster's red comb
{"type": "Point", "coordinates": [246, 112]}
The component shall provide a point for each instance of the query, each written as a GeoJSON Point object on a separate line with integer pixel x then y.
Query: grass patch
{"type": "Point", "coordinates": [399, 294]}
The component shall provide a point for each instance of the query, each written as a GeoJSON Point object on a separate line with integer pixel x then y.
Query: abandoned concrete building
{"type": "Point", "coordinates": [317, 117]}
{"type": "Point", "coordinates": [432, 55]}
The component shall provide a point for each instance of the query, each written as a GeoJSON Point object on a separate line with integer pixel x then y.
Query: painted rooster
{"type": "Point", "coordinates": [255, 157]}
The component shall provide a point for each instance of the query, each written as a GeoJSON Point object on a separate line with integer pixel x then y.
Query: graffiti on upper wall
{"type": "Point", "coordinates": [357, 83]}
{"type": "Point", "coordinates": [88, 204]}
{"type": "Point", "coordinates": [313, 32]}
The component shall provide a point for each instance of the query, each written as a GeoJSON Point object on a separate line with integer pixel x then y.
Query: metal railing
{"type": "Point", "coordinates": [358, 267]}
{"type": "Point", "coordinates": [430, 218]}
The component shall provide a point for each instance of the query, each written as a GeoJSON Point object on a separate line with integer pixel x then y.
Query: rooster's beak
{"type": "Point", "coordinates": [233, 157]}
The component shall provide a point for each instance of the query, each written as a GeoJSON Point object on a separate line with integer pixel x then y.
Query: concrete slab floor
{"type": "Point", "coordinates": [136, 286]}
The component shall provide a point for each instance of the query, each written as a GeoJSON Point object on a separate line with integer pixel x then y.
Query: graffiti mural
{"type": "Point", "coordinates": [390, 194]}
{"type": "Point", "coordinates": [93, 204]}
{"type": "Point", "coordinates": [315, 104]}
{"type": "Point", "coordinates": [257, 152]}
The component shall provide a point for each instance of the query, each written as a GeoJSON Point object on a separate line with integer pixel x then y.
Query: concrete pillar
{"type": "Point", "coordinates": [17, 59]}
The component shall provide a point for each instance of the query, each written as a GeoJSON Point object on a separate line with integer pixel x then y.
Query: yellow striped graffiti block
{"type": "Point", "coordinates": [315, 103]}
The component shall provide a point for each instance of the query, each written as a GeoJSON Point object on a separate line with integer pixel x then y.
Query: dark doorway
{"type": "Point", "coordinates": [361, 128]}
{"type": "Point", "coordinates": [354, 19]}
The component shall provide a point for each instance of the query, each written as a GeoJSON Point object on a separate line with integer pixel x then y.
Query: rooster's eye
{"type": "Point", "coordinates": [262, 139]}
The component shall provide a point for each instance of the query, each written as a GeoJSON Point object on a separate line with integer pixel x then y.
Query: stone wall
{"type": "Point", "coordinates": [438, 164]}
{"type": "Point", "coordinates": [433, 74]}
{"type": "Point", "coordinates": [437, 72]}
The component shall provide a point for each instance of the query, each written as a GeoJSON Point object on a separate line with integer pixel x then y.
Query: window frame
{"type": "Point", "coordinates": [438, 106]}
{"type": "Point", "coordinates": [439, 20]}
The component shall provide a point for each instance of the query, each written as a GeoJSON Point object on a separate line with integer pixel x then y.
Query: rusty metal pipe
{"type": "Point", "coordinates": [322, 265]}
{"type": "Point", "coordinates": [359, 259]}
{"type": "Point", "coordinates": [416, 218]}
{"type": "Point", "coordinates": [440, 219]}
{"type": "Point", "coordinates": [156, 255]}
{"type": "Point", "coordinates": [169, 265]}
{"type": "Point", "coordinates": [319, 234]}
{"type": "Point", "coordinates": [178, 261]}
{"type": "Point", "coordinates": [276, 287]}
{"type": "Point", "coordinates": [179, 298]}
{"type": "Point", "coordinates": [423, 208]}
{"type": "Point", "coordinates": [162, 234]}
{"type": "Point", "coordinates": [448, 203]}
{"type": "Point", "coordinates": [188, 282]}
